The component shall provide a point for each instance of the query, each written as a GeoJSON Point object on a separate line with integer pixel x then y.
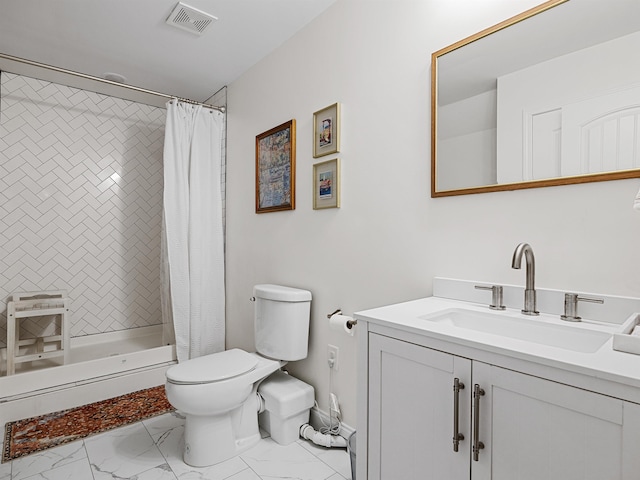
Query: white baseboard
{"type": "Point", "coordinates": [318, 419]}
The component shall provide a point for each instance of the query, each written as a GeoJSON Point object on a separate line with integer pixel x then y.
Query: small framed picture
{"type": "Point", "coordinates": [326, 184]}
{"type": "Point", "coordinates": [326, 131]}
{"type": "Point", "coordinates": [276, 168]}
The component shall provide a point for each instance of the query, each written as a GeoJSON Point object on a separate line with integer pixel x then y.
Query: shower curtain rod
{"type": "Point", "coordinates": [110, 82]}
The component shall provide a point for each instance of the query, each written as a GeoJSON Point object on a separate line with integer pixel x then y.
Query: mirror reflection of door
{"type": "Point", "coordinates": [550, 94]}
{"type": "Point", "coordinates": [571, 115]}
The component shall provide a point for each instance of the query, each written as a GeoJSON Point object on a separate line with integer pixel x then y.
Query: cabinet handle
{"type": "Point", "coordinates": [457, 436]}
{"type": "Point", "coordinates": [477, 444]}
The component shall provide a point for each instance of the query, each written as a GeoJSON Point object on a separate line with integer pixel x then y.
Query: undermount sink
{"type": "Point", "coordinates": [569, 337]}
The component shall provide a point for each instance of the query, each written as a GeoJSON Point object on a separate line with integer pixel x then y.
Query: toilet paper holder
{"type": "Point", "coordinates": [351, 323]}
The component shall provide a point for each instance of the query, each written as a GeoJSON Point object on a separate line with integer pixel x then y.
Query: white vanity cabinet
{"type": "Point", "coordinates": [411, 412]}
{"type": "Point", "coordinates": [530, 428]}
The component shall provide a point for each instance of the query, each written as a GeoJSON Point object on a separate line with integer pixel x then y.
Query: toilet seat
{"type": "Point", "coordinates": [212, 368]}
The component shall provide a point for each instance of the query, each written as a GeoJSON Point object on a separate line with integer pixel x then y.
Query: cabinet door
{"type": "Point", "coordinates": [535, 429]}
{"type": "Point", "coordinates": [411, 412]}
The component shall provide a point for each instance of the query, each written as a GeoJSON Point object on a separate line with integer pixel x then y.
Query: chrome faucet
{"type": "Point", "coordinates": [530, 289]}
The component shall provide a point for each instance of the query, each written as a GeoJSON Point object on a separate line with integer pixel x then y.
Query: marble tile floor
{"type": "Point", "coordinates": [151, 450]}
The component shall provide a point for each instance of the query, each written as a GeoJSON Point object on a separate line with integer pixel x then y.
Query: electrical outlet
{"type": "Point", "coordinates": [332, 356]}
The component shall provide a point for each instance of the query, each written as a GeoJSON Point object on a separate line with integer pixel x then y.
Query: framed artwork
{"type": "Point", "coordinates": [276, 168]}
{"type": "Point", "coordinates": [326, 131]}
{"type": "Point", "coordinates": [326, 184]}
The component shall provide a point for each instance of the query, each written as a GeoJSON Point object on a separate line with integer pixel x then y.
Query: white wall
{"type": "Point", "coordinates": [390, 238]}
{"type": "Point", "coordinates": [467, 161]}
{"type": "Point", "coordinates": [467, 143]}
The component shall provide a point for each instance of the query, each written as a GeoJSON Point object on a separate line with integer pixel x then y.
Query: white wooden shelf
{"type": "Point", "coordinates": [52, 307]}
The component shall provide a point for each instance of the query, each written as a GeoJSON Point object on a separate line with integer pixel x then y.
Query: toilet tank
{"type": "Point", "coordinates": [282, 321]}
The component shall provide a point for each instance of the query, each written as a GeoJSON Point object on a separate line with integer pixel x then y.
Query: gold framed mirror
{"type": "Point", "coordinates": [548, 97]}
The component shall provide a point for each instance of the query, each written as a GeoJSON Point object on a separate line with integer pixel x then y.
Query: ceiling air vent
{"type": "Point", "coordinates": [190, 19]}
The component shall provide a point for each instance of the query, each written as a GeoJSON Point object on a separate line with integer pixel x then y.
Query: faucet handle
{"type": "Point", "coordinates": [496, 296]}
{"type": "Point", "coordinates": [571, 306]}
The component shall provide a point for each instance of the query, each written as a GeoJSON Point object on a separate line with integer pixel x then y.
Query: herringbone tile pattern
{"type": "Point", "coordinates": [81, 202]}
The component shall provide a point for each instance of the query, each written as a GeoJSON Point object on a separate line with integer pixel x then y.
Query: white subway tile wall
{"type": "Point", "coordinates": [81, 185]}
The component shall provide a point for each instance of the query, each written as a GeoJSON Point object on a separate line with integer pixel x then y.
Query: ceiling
{"type": "Point", "coordinates": [131, 38]}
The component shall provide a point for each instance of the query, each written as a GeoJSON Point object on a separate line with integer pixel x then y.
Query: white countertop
{"type": "Point", "coordinates": [606, 370]}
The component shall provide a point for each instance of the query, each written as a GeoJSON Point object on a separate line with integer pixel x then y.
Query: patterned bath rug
{"type": "Point", "coordinates": [35, 434]}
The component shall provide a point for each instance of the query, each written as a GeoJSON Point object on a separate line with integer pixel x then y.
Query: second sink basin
{"type": "Point", "coordinates": [568, 337]}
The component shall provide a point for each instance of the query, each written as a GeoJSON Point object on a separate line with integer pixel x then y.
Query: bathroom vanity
{"type": "Point", "coordinates": [455, 390]}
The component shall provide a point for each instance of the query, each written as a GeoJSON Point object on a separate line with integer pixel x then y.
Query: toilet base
{"type": "Point", "coordinates": [221, 417]}
{"type": "Point", "coordinates": [213, 439]}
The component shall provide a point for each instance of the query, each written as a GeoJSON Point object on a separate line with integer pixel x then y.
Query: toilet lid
{"type": "Point", "coordinates": [213, 367]}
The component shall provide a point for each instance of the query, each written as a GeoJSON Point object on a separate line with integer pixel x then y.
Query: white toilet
{"type": "Point", "coordinates": [217, 393]}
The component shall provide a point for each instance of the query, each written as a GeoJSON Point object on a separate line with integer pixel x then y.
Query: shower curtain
{"type": "Point", "coordinates": [193, 259]}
